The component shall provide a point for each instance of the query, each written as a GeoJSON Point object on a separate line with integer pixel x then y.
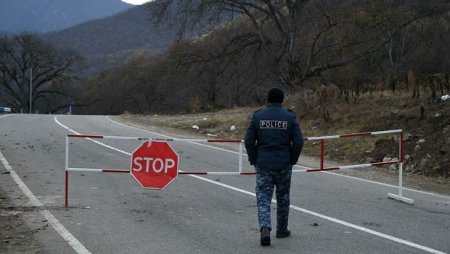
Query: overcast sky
{"type": "Point", "coordinates": [136, 2]}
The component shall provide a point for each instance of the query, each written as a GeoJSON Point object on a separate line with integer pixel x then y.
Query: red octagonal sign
{"type": "Point", "coordinates": [154, 165]}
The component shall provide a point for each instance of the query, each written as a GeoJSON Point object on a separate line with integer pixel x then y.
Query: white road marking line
{"type": "Point", "coordinates": [4, 116]}
{"type": "Point", "coordinates": [162, 135]}
{"type": "Point", "coordinates": [299, 166]}
{"type": "Point", "coordinates": [389, 185]}
{"type": "Point", "coordinates": [95, 141]}
{"type": "Point", "coordinates": [341, 222]}
{"type": "Point", "coordinates": [62, 231]}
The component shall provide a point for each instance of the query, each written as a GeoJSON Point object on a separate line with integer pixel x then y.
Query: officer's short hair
{"type": "Point", "coordinates": [275, 95]}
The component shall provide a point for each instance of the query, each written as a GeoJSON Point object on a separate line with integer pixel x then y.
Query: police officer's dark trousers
{"type": "Point", "coordinates": [266, 180]}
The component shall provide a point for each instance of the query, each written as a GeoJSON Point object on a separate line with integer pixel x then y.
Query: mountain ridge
{"type": "Point", "coordinates": [52, 15]}
{"type": "Point", "coordinates": [111, 41]}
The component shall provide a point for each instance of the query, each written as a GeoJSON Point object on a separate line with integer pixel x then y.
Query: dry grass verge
{"type": "Point", "coordinates": [426, 124]}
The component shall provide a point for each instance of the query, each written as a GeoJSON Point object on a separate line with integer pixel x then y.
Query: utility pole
{"type": "Point", "coordinates": [31, 86]}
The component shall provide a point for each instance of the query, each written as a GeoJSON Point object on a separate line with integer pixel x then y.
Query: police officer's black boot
{"type": "Point", "coordinates": [265, 237]}
{"type": "Point", "coordinates": [283, 233]}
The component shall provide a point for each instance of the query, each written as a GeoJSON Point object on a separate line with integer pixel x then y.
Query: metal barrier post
{"type": "Point", "coordinates": [400, 180]}
{"type": "Point", "coordinates": [322, 148]}
{"type": "Point", "coordinates": [66, 181]}
{"type": "Point", "coordinates": [400, 197]}
{"type": "Point", "coordinates": [240, 157]}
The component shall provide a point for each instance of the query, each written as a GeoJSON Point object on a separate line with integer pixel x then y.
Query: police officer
{"type": "Point", "coordinates": [274, 142]}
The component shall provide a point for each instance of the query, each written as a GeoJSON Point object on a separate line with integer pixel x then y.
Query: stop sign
{"type": "Point", "coordinates": [154, 165]}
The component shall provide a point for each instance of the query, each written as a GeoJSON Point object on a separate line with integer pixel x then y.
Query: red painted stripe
{"type": "Point", "coordinates": [192, 173]}
{"type": "Point", "coordinates": [363, 134]}
{"type": "Point", "coordinates": [322, 149]}
{"type": "Point", "coordinates": [162, 139]}
{"type": "Point", "coordinates": [66, 189]}
{"type": "Point", "coordinates": [401, 147]}
{"type": "Point", "coordinates": [116, 171]}
{"type": "Point", "coordinates": [224, 141]}
{"type": "Point", "coordinates": [206, 173]}
{"type": "Point", "coordinates": [323, 169]}
{"type": "Point", "coordinates": [83, 136]}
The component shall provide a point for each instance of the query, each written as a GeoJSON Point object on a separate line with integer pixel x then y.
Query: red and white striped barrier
{"type": "Point", "coordinates": [322, 139]}
{"type": "Point", "coordinates": [351, 135]}
{"type": "Point", "coordinates": [95, 137]}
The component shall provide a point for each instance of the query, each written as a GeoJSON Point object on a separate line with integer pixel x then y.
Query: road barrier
{"type": "Point", "coordinates": [322, 167]}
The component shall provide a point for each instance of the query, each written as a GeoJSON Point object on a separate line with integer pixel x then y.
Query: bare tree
{"type": "Point", "coordinates": [303, 38]}
{"type": "Point", "coordinates": [25, 57]}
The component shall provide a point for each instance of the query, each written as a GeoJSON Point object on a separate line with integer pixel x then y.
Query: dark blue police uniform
{"type": "Point", "coordinates": [274, 142]}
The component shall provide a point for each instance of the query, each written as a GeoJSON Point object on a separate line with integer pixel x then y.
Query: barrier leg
{"type": "Point", "coordinates": [240, 157]}
{"type": "Point", "coordinates": [400, 179]}
{"type": "Point", "coordinates": [66, 176]}
{"type": "Point", "coordinates": [66, 190]}
{"type": "Point", "coordinates": [322, 148]}
{"type": "Point", "coordinates": [400, 197]}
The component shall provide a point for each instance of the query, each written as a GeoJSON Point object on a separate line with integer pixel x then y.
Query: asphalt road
{"type": "Point", "coordinates": [111, 213]}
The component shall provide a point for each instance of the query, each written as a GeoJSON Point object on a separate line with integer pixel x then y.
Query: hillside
{"type": "Point", "coordinates": [426, 126]}
{"type": "Point", "coordinates": [51, 15]}
{"type": "Point", "coordinates": [110, 41]}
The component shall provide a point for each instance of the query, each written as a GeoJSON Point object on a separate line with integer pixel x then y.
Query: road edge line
{"type": "Point", "coordinates": [52, 220]}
